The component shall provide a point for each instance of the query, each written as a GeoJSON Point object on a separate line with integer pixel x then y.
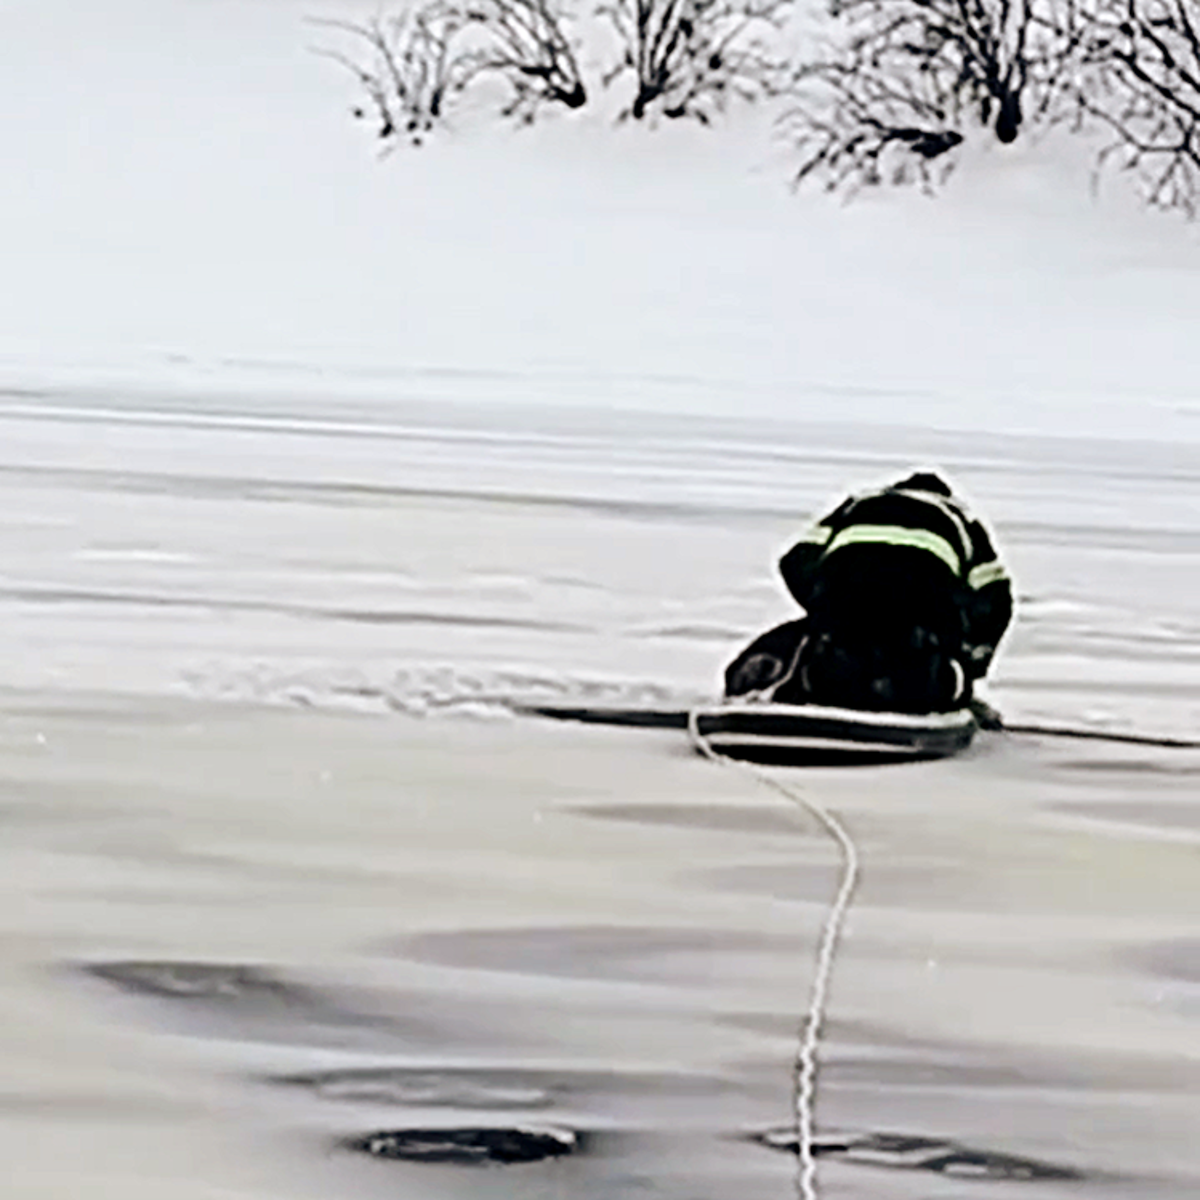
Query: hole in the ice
{"type": "Point", "coordinates": [468, 1147]}
{"type": "Point", "coordinates": [914, 1153]}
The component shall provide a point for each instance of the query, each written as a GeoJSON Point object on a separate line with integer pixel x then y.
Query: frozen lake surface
{"type": "Point", "coordinates": [312, 465]}
{"type": "Point", "coordinates": [282, 871]}
{"type": "Point", "coordinates": [412, 556]}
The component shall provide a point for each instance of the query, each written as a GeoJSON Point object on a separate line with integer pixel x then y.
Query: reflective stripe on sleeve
{"type": "Point", "coordinates": [816, 535]}
{"type": "Point", "coordinates": [944, 505]}
{"type": "Point", "coordinates": [897, 535]}
{"type": "Point", "coordinates": [985, 573]}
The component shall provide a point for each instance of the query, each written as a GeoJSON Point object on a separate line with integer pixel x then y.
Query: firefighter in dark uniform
{"type": "Point", "coordinates": [906, 602]}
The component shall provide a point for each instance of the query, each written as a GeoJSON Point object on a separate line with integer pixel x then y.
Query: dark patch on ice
{"type": "Point", "coordinates": [469, 1147]}
{"type": "Point", "coordinates": [882, 1068]}
{"type": "Point", "coordinates": [786, 1024]}
{"type": "Point", "coordinates": [920, 887]}
{"type": "Point", "coordinates": [723, 818]}
{"type": "Point", "coordinates": [220, 983]}
{"type": "Point", "coordinates": [38, 595]}
{"type": "Point", "coordinates": [73, 1106]}
{"type": "Point", "coordinates": [854, 1036]}
{"type": "Point", "coordinates": [1135, 767]}
{"type": "Point", "coordinates": [493, 1088]}
{"type": "Point", "coordinates": [1160, 814]}
{"type": "Point", "coordinates": [51, 595]}
{"type": "Point", "coordinates": [461, 620]}
{"type": "Point", "coordinates": [254, 1003]}
{"type": "Point", "coordinates": [593, 952]}
{"type": "Point", "coordinates": [693, 633]}
{"type": "Point", "coordinates": [879, 1057]}
{"type": "Point", "coordinates": [199, 487]}
{"type": "Point", "coordinates": [917, 1153]}
{"type": "Point", "coordinates": [1177, 960]}
{"type": "Point", "coordinates": [642, 718]}
{"type": "Point", "coordinates": [403, 1086]}
{"type": "Point", "coordinates": [780, 881]}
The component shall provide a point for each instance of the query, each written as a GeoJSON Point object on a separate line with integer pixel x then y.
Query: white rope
{"type": "Point", "coordinates": [804, 1077]}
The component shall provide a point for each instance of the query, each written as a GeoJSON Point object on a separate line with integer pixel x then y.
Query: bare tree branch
{"type": "Point", "coordinates": [409, 73]}
{"type": "Point", "coordinates": [689, 58]}
{"type": "Point", "coordinates": [905, 82]}
{"type": "Point", "coordinates": [416, 64]}
{"type": "Point", "coordinates": [1140, 86]}
{"type": "Point", "coordinates": [525, 43]}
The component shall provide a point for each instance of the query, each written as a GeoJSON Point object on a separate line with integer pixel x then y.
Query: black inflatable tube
{"type": "Point", "coordinates": [678, 719]}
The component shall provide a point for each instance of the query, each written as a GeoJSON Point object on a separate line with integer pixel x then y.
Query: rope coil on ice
{"type": "Point", "coordinates": [804, 1079]}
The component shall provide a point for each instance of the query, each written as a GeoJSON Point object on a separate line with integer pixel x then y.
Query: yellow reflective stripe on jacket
{"type": "Point", "coordinates": [898, 535]}
{"type": "Point", "coordinates": [817, 535]}
{"type": "Point", "coordinates": [948, 508]}
{"type": "Point", "coordinates": [985, 573]}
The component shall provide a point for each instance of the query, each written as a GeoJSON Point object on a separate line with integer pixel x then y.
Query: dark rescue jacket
{"type": "Point", "coordinates": [936, 539]}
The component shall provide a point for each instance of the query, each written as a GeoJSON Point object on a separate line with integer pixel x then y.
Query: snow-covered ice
{"type": "Point", "coordinates": [434, 557]}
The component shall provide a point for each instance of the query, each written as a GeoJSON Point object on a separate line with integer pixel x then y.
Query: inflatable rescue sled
{"type": "Point", "coordinates": [794, 734]}
{"type": "Point", "coordinates": [813, 734]}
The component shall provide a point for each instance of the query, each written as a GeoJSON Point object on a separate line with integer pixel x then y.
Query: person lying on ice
{"type": "Point", "coordinates": [906, 602]}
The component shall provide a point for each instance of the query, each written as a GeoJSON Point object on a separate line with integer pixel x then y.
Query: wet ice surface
{"type": "Point", "coordinates": [306, 954]}
{"type": "Point", "coordinates": [268, 934]}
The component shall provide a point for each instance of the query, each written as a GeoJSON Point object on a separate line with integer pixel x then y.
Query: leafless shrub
{"type": "Point", "coordinates": [685, 58]}
{"type": "Point", "coordinates": [1140, 86]}
{"type": "Point", "coordinates": [894, 92]}
{"type": "Point", "coordinates": [905, 82]}
{"type": "Point", "coordinates": [406, 70]}
{"type": "Point", "coordinates": [413, 66]}
{"type": "Point", "coordinates": [526, 44]}
{"type": "Point", "coordinates": [689, 58]}
{"type": "Point", "coordinates": [854, 128]}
